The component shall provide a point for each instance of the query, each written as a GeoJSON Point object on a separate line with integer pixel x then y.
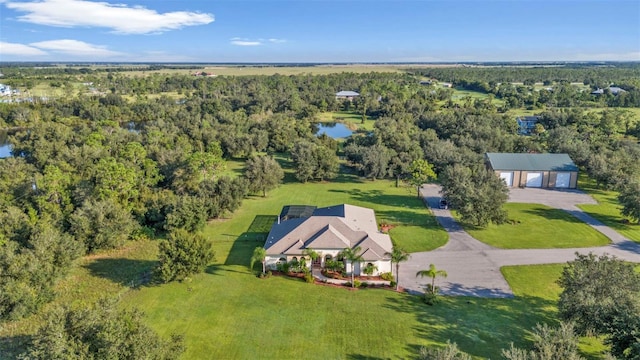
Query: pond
{"type": "Point", "coordinates": [5, 147]}
{"type": "Point", "coordinates": [334, 130]}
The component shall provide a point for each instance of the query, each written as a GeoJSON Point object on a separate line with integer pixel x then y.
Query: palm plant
{"type": "Point", "coordinates": [354, 256]}
{"type": "Point", "coordinates": [259, 254]}
{"type": "Point", "coordinates": [312, 254]}
{"type": "Point", "coordinates": [432, 272]}
{"type": "Point", "coordinates": [397, 256]}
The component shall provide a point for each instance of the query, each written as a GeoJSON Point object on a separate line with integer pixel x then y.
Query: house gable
{"type": "Point", "coordinates": [331, 228]}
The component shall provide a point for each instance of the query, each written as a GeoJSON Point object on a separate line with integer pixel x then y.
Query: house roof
{"type": "Point", "coordinates": [531, 162]}
{"type": "Point", "coordinates": [613, 89]}
{"type": "Point", "coordinates": [347, 93]}
{"type": "Point", "coordinates": [334, 227]}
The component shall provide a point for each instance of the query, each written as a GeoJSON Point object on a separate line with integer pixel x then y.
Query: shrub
{"type": "Point", "coordinates": [357, 283]}
{"type": "Point", "coordinates": [431, 296]}
{"type": "Point", "coordinates": [386, 276]}
{"type": "Point", "coordinates": [393, 284]}
{"type": "Point", "coordinates": [308, 277]}
{"type": "Point", "coordinates": [369, 269]}
{"type": "Point", "coordinates": [364, 284]}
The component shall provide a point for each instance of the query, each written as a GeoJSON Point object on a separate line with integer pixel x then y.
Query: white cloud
{"type": "Point", "coordinates": [19, 49]}
{"type": "Point", "coordinates": [118, 17]}
{"type": "Point", "coordinates": [245, 42]}
{"type": "Point", "coordinates": [255, 42]}
{"type": "Point", "coordinates": [76, 48]}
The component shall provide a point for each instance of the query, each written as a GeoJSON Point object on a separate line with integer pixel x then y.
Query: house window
{"type": "Point", "coordinates": [282, 260]}
{"type": "Point", "coordinates": [294, 259]}
{"type": "Point", "coordinates": [369, 265]}
{"type": "Point", "coordinates": [328, 257]}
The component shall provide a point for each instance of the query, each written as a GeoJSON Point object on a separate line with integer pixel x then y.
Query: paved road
{"type": "Point", "coordinates": [474, 267]}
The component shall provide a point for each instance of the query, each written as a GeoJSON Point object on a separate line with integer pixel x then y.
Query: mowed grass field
{"type": "Point", "coordinates": [608, 209]}
{"type": "Point", "coordinates": [535, 226]}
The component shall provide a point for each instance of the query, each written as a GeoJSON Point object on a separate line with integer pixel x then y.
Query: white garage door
{"type": "Point", "coordinates": [534, 179]}
{"type": "Point", "coordinates": [507, 177]}
{"type": "Point", "coordinates": [562, 181]}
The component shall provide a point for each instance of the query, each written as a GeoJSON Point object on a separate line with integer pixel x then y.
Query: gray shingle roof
{"type": "Point", "coordinates": [531, 162]}
{"type": "Point", "coordinates": [333, 227]}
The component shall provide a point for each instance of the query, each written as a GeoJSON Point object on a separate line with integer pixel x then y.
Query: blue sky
{"type": "Point", "coordinates": [319, 30]}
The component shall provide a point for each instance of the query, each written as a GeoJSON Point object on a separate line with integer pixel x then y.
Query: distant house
{"type": "Point", "coordinates": [425, 82]}
{"type": "Point", "coordinates": [534, 170]}
{"type": "Point", "coordinates": [346, 95]}
{"type": "Point", "coordinates": [328, 231]}
{"type": "Point", "coordinates": [526, 124]}
{"type": "Point", "coordinates": [612, 89]}
{"type": "Point", "coordinates": [447, 85]}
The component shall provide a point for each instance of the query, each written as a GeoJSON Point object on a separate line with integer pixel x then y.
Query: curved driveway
{"type": "Point", "coordinates": [473, 267]}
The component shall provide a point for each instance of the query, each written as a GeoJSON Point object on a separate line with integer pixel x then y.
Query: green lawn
{"type": "Point", "coordinates": [539, 281]}
{"type": "Point", "coordinates": [535, 226]}
{"type": "Point", "coordinates": [608, 209]}
{"type": "Point", "coordinates": [416, 229]}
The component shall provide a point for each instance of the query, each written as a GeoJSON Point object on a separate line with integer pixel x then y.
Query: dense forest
{"type": "Point", "coordinates": [147, 155]}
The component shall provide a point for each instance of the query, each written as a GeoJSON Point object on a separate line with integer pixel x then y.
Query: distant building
{"type": "Point", "coordinates": [447, 85]}
{"type": "Point", "coordinates": [526, 124]}
{"type": "Point", "coordinates": [612, 89]}
{"type": "Point", "coordinates": [5, 90]}
{"type": "Point", "coordinates": [346, 95]}
{"type": "Point", "coordinates": [425, 82]}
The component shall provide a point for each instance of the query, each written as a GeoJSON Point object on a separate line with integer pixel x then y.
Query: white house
{"type": "Point", "coordinates": [346, 95]}
{"type": "Point", "coordinates": [328, 231]}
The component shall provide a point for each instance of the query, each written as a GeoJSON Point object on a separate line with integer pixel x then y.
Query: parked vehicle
{"type": "Point", "coordinates": [443, 204]}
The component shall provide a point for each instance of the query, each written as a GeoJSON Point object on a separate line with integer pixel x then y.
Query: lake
{"type": "Point", "coordinates": [334, 130]}
{"type": "Point", "coordinates": [5, 147]}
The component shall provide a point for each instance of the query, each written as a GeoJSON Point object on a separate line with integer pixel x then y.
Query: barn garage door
{"type": "Point", "coordinates": [534, 179]}
{"type": "Point", "coordinates": [507, 177]}
{"type": "Point", "coordinates": [562, 181]}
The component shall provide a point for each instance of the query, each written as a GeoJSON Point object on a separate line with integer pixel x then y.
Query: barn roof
{"type": "Point", "coordinates": [531, 162]}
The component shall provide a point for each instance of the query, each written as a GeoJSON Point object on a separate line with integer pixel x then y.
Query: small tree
{"type": "Point", "coordinates": [421, 172]}
{"type": "Point", "coordinates": [264, 173]}
{"type": "Point", "coordinates": [182, 255]}
{"type": "Point", "coordinates": [433, 273]}
{"type": "Point", "coordinates": [312, 254]}
{"type": "Point", "coordinates": [601, 295]}
{"type": "Point", "coordinates": [259, 255]}
{"type": "Point", "coordinates": [397, 256]}
{"type": "Point", "coordinates": [630, 201]}
{"type": "Point", "coordinates": [476, 193]}
{"type": "Point", "coordinates": [548, 344]}
{"type": "Point", "coordinates": [354, 256]}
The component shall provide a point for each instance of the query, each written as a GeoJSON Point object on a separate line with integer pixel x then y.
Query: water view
{"type": "Point", "coordinates": [5, 147]}
{"type": "Point", "coordinates": [334, 130]}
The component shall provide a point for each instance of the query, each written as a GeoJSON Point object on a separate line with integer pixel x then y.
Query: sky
{"type": "Point", "coordinates": [270, 31]}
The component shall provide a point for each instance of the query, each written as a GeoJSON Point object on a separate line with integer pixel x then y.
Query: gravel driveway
{"type": "Point", "coordinates": [474, 267]}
